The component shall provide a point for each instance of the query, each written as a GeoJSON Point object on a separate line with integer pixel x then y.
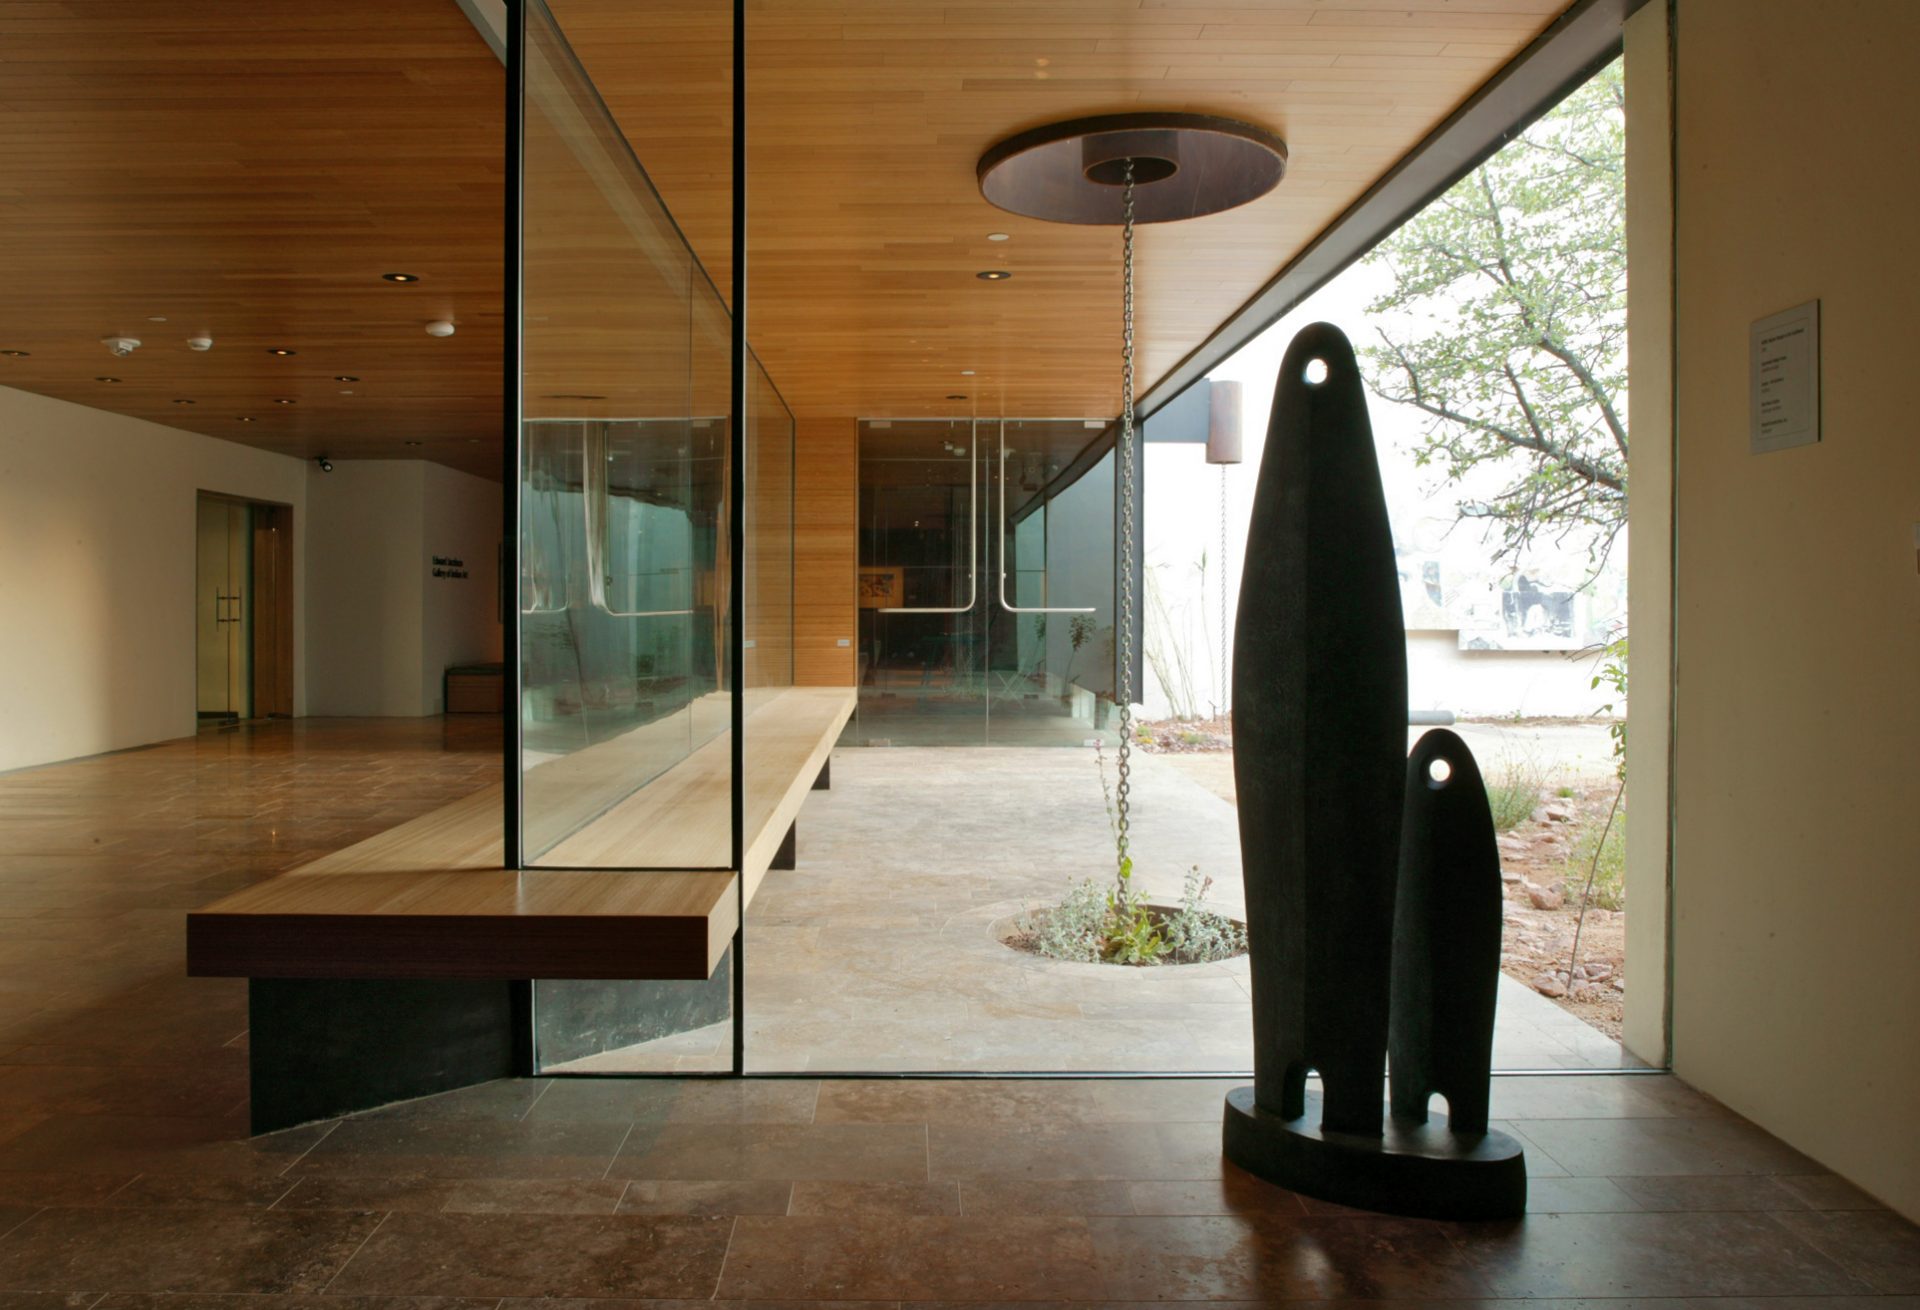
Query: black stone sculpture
{"type": "Point", "coordinates": [1319, 715]}
{"type": "Point", "coordinates": [1446, 938]}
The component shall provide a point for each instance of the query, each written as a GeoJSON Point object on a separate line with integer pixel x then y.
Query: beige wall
{"type": "Point", "coordinates": [1650, 526]}
{"type": "Point", "coordinates": [97, 550]}
{"type": "Point", "coordinates": [1797, 842]}
{"type": "Point", "coordinates": [382, 629]}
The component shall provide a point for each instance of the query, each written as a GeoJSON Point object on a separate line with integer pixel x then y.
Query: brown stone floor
{"type": "Point", "coordinates": [127, 1179]}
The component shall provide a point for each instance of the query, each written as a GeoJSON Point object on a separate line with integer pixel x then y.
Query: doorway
{"type": "Point", "coordinates": [243, 609]}
{"type": "Point", "coordinates": [985, 583]}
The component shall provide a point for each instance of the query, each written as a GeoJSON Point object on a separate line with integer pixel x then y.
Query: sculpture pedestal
{"type": "Point", "coordinates": [1413, 1169]}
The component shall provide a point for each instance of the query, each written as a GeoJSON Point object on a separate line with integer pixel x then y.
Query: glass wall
{"type": "Point", "coordinates": [625, 590]}
{"type": "Point", "coordinates": [986, 583]}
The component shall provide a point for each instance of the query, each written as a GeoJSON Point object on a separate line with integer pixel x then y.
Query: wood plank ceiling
{"type": "Point", "coordinates": [249, 171]}
{"type": "Point", "coordinates": [866, 117]}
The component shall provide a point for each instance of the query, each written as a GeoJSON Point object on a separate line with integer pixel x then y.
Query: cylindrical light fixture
{"type": "Point", "coordinates": [1223, 423]}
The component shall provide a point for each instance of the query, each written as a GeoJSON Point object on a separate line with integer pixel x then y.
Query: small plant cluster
{"type": "Point", "coordinates": [1093, 924]}
{"type": "Point", "coordinates": [1513, 792]}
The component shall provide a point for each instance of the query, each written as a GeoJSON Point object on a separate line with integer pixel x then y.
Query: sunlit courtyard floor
{"type": "Point", "coordinates": [880, 952]}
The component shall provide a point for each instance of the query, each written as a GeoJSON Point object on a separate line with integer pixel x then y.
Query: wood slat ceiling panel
{"type": "Point", "coordinates": [248, 171]}
{"type": "Point", "coordinates": [866, 228]}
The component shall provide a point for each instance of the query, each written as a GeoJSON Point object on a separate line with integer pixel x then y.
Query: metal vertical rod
{"type": "Point", "coordinates": [736, 530]}
{"type": "Point", "coordinates": [1123, 786]}
{"type": "Point", "coordinates": [512, 437]}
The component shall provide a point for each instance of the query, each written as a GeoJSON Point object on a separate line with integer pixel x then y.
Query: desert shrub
{"type": "Point", "coordinates": [1610, 875]}
{"type": "Point", "coordinates": [1513, 790]}
{"type": "Point", "coordinates": [1196, 934]}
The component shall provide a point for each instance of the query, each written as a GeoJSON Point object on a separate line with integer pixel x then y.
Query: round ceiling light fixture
{"type": "Point", "coordinates": [958, 395]}
{"type": "Point", "coordinates": [998, 236]}
{"type": "Point", "coordinates": [993, 275]}
{"type": "Point", "coordinates": [16, 354]}
{"type": "Point", "coordinates": [1184, 166]}
{"type": "Point", "coordinates": [400, 277]}
{"type": "Point", "coordinates": [279, 401]}
{"type": "Point", "coordinates": [440, 328]}
{"type": "Point", "coordinates": [342, 377]}
{"type": "Point", "coordinates": [243, 419]}
{"type": "Point", "coordinates": [281, 351]}
{"type": "Point", "coordinates": [106, 379]}
{"type": "Point", "coordinates": [183, 402]}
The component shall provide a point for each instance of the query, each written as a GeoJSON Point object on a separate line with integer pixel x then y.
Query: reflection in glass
{"type": "Point", "coordinates": [985, 583]}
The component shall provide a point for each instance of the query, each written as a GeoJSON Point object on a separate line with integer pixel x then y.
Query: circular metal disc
{"type": "Point", "coordinates": [1186, 165]}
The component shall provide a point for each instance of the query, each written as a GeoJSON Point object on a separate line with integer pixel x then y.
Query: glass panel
{"type": "Point", "coordinates": [922, 585]}
{"type": "Point", "coordinates": [624, 557]}
{"type": "Point", "coordinates": [1051, 673]}
{"type": "Point", "coordinates": [622, 498]}
{"type": "Point", "coordinates": [985, 603]}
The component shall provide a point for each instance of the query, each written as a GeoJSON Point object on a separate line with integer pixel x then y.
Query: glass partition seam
{"type": "Point", "coordinates": [736, 527]}
{"type": "Point", "coordinates": [521, 992]}
{"type": "Point", "coordinates": [513, 853]}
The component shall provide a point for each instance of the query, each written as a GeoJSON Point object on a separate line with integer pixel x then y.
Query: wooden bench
{"type": "Point", "coordinates": [431, 900]}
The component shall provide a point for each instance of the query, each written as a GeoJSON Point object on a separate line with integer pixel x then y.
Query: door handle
{"type": "Point", "coordinates": [1010, 608]}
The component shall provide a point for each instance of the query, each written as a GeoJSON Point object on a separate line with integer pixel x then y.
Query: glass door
{"type": "Point", "coordinates": [985, 583]}
{"type": "Point", "coordinates": [223, 618]}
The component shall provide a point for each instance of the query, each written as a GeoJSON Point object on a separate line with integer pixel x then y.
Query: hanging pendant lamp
{"type": "Point", "coordinates": [1129, 169]}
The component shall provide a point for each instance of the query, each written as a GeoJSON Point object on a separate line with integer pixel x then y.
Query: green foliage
{"type": "Point", "coordinates": [1610, 873]}
{"type": "Point", "coordinates": [1506, 326]}
{"type": "Point", "coordinates": [1513, 791]}
{"type": "Point", "coordinates": [1613, 676]}
{"type": "Point", "coordinates": [1195, 933]}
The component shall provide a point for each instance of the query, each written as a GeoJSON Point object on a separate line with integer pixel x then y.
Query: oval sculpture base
{"type": "Point", "coordinates": [1413, 1169]}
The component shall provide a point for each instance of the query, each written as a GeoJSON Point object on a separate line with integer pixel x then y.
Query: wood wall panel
{"type": "Point", "coordinates": [825, 500]}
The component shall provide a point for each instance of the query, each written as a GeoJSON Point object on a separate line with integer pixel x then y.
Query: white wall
{"type": "Point", "coordinates": [461, 623]}
{"type": "Point", "coordinates": [383, 629]}
{"type": "Point", "coordinates": [365, 582]}
{"type": "Point", "coordinates": [97, 518]}
{"type": "Point", "coordinates": [1797, 813]}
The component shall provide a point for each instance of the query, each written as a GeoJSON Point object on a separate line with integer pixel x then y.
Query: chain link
{"type": "Point", "coordinates": [1125, 643]}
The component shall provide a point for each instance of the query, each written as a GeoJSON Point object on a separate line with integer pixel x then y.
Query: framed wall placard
{"type": "Point", "coordinates": [1785, 386]}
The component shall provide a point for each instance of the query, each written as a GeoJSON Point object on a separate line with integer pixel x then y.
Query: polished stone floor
{"type": "Point", "coordinates": [127, 1180]}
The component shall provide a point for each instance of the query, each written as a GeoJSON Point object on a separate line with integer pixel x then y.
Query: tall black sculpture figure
{"type": "Point", "coordinates": [1319, 715]}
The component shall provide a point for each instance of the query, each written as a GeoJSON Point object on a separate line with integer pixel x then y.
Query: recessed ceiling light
{"type": "Point", "coordinates": [281, 351]}
{"type": "Point", "coordinates": [278, 401]}
{"type": "Point", "coordinates": [400, 277]}
{"type": "Point", "coordinates": [994, 275]}
{"type": "Point", "coordinates": [243, 419]}
{"type": "Point", "coordinates": [996, 236]}
{"type": "Point", "coordinates": [956, 396]}
{"type": "Point", "coordinates": [15, 354]}
{"type": "Point", "coordinates": [156, 318]}
{"type": "Point", "coordinates": [414, 443]}
{"type": "Point", "coordinates": [106, 379]}
{"type": "Point", "coordinates": [342, 377]}
{"type": "Point", "coordinates": [966, 372]}
{"type": "Point", "coordinates": [183, 402]}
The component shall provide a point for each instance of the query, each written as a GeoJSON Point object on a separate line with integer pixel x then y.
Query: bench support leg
{"type": "Point", "coordinates": [825, 781]}
{"type": "Point", "coordinates": [784, 857]}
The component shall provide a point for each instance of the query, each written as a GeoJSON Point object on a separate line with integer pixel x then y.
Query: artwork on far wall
{"type": "Point", "coordinates": [878, 588]}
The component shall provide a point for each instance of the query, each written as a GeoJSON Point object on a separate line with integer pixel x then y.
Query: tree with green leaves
{"type": "Point", "coordinates": [1506, 326]}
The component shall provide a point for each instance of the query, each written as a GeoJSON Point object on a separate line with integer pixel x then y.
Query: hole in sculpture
{"type": "Point", "coordinates": [1315, 372]}
{"type": "Point", "coordinates": [1438, 771]}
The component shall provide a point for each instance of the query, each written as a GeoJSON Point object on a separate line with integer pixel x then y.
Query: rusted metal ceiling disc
{"type": "Point", "coordinates": [1184, 165]}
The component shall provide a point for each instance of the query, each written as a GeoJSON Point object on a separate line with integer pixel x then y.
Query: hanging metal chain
{"type": "Point", "coordinates": [1124, 644]}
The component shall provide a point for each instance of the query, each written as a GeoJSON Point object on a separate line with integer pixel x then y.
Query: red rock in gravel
{"type": "Point", "coordinates": [1549, 984]}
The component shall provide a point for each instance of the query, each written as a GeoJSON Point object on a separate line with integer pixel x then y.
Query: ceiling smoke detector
{"type": "Point", "coordinates": [120, 347]}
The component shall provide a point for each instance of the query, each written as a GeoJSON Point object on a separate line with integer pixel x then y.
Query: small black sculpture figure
{"type": "Point", "coordinates": [1446, 938]}
{"type": "Point", "coordinates": [1336, 827]}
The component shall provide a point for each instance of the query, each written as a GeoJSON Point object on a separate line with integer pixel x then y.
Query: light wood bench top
{"type": "Point", "coordinates": [429, 898]}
